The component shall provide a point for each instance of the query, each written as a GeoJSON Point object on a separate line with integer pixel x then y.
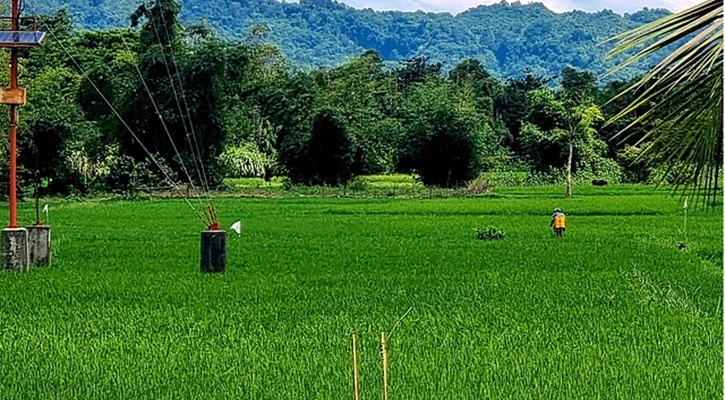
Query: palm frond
{"type": "Point", "coordinates": [681, 96]}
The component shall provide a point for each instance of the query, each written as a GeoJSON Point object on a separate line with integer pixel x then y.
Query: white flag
{"type": "Point", "coordinates": [685, 203]}
{"type": "Point", "coordinates": [45, 209]}
{"type": "Point", "coordinates": [237, 227]}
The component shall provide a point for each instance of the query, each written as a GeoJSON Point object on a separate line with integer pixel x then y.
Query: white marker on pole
{"type": "Point", "coordinates": [46, 210]}
{"type": "Point", "coordinates": [237, 227]}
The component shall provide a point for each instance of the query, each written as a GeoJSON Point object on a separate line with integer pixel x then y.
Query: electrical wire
{"type": "Point", "coordinates": [163, 123]}
{"type": "Point", "coordinates": [190, 132]}
{"type": "Point", "coordinates": [118, 115]}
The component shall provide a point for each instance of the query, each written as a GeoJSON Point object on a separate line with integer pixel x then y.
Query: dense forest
{"type": "Point", "coordinates": [507, 38]}
{"type": "Point", "coordinates": [103, 105]}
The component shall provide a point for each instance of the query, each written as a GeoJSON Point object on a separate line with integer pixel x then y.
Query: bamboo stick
{"type": "Point", "coordinates": [685, 223]}
{"type": "Point", "coordinates": [355, 375]}
{"type": "Point", "coordinates": [384, 347]}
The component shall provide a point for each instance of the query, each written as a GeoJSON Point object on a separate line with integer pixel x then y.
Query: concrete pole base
{"type": "Point", "coordinates": [213, 251]}
{"type": "Point", "coordinates": [39, 245]}
{"type": "Point", "coordinates": [15, 249]}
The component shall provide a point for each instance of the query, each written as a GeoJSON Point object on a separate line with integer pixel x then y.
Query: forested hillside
{"type": "Point", "coordinates": [108, 110]}
{"type": "Point", "coordinates": [508, 39]}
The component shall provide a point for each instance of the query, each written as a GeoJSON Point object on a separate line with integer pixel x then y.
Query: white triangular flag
{"type": "Point", "coordinates": [45, 209]}
{"type": "Point", "coordinates": [237, 227]}
{"type": "Point", "coordinates": [685, 203]}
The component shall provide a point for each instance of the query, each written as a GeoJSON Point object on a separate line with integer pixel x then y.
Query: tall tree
{"type": "Point", "coordinates": [447, 138]}
{"type": "Point", "coordinates": [324, 156]}
{"type": "Point", "coordinates": [559, 134]}
{"type": "Point", "coordinates": [363, 95]}
{"type": "Point", "coordinates": [416, 70]}
{"type": "Point", "coordinates": [580, 122]}
{"type": "Point", "coordinates": [176, 107]}
{"type": "Point", "coordinates": [511, 107]}
{"type": "Point", "coordinates": [578, 87]}
{"type": "Point", "coordinates": [578, 93]}
{"type": "Point", "coordinates": [486, 88]}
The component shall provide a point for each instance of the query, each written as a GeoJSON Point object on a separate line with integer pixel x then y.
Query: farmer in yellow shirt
{"type": "Point", "coordinates": [558, 222]}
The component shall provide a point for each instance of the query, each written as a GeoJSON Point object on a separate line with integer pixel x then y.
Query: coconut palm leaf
{"type": "Point", "coordinates": [682, 96]}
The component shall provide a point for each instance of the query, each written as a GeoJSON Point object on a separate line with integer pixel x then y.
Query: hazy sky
{"type": "Point", "coordinates": [455, 6]}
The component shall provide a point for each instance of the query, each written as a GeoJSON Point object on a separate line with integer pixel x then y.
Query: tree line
{"type": "Point", "coordinates": [248, 112]}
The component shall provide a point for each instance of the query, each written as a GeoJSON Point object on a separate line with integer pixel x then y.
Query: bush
{"type": "Point", "coordinates": [503, 177]}
{"type": "Point", "coordinates": [359, 184]}
{"type": "Point", "coordinates": [479, 185]}
{"type": "Point", "coordinates": [490, 233]}
{"type": "Point", "coordinates": [598, 167]}
{"type": "Point", "coordinates": [670, 174]}
{"type": "Point", "coordinates": [325, 157]}
{"type": "Point", "coordinates": [244, 161]}
{"type": "Point", "coordinates": [445, 141]}
{"type": "Point", "coordinates": [128, 176]}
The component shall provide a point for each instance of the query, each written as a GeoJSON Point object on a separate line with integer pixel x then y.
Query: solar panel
{"type": "Point", "coordinates": [21, 38]}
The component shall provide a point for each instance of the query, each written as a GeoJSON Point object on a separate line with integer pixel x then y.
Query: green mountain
{"type": "Point", "coordinates": [508, 38]}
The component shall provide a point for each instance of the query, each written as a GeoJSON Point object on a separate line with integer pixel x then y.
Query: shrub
{"type": "Point", "coordinates": [489, 233]}
{"type": "Point", "coordinates": [244, 161]}
{"type": "Point", "coordinates": [325, 156]}
{"type": "Point", "coordinates": [479, 185]}
{"type": "Point", "coordinates": [445, 138]}
{"type": "Point", "coordinates": [358, 184]}
{"type": "Point", "coordinates": [505, 178]}
{"type": "Point", "coordinates": [127, 175]}
{"type": "Point", "coordinates": [598, 167]}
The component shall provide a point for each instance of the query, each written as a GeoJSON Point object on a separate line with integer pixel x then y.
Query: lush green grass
{"type": "Point", "coordinates": [364, 187]}
{"type": "Point", "coordinates": [612, 310]}
{"type": "Point", "coordinates": [396, 185]}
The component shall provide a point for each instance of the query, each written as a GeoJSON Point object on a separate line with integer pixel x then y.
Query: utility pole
{"type": "Point", "coordinates": [15, 254]}
{"type": "Point", "coordinates": [14, 25]}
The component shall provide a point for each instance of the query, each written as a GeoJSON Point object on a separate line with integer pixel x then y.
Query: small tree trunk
{"type": "Point", "coordinates": [568, 171]}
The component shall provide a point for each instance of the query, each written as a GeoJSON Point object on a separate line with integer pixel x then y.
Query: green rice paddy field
{"type": "Point", "coordinates": [611, 311]}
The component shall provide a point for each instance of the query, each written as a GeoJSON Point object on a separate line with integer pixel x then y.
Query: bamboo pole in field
{"type": "Point", "coordinates": [684, 227]}
{"type": "Point", "coordinates": [355, 375]}
{"type": "Point", "coordinates": [384, 346]}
